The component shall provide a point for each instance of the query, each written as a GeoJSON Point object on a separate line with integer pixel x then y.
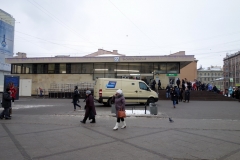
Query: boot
{"type": "Point", "coordinates": [93, 120]}
{"type": "Point", "coordinates": [116, 126]}
{"type": "Point", "coordinates": [124, 125]}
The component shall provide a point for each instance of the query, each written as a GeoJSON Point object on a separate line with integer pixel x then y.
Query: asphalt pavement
{"type": "Point", "coordinates": [50, 129]}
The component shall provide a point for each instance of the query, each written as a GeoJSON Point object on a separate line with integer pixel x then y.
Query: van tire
{"type": "Point", "coordinates": [105, 103]}
{"type": "Point", "coordinates": [150, 100]}
{"type": "Point", "coordinates": [109, 102]}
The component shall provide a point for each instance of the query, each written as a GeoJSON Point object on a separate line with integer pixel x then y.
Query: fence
{"type": "Point", "coordinates": [66, 90]}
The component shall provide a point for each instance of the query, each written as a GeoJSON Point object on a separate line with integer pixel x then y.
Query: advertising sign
{"type": "Point", "coordinates": [13, 83]}
{"type": "Point", "coordinates": [111, 84]}
{"type": "Point", "coordinates": [6, 38]}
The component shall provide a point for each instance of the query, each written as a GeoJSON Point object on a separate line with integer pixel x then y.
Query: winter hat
{"type": "Point", "coordinates": [88, 92]}
{"type": "Point", "coordinates": [119, 91]}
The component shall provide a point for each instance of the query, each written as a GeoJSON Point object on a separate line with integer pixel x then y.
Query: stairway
{"type": "Point", "coordinates": [200, 96]}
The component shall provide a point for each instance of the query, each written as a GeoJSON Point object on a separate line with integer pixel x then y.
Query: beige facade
{"type": "Point", "coordinates": [189, 72]}
{"type": "Point", "coordinates": [164, 67]}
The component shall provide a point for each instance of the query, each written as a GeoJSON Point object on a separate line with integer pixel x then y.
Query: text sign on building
{"type": "Point", "coordinates": [231, 79]}
{"type": "Point", "coordinates": [172, 74]}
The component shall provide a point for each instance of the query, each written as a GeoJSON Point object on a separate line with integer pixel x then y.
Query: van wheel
{"type": "Point", "coordinates": [109, 102]}
{"type": "Point", "coordinates": [150, 100]}
{"type": "Point", "coordinates": [105, 104]}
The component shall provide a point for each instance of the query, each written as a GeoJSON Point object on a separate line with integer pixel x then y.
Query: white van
{"type": "Point", "coordinates": [134, 91]}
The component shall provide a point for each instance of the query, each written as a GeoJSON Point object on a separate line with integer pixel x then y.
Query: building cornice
{"type": "Point", "coordinates": [114, 59]}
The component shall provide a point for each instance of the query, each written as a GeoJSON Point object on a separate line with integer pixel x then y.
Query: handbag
{"type": "Point", "coordinates": [121, 113]}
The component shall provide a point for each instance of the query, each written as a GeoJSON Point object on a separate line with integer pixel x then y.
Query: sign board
{"type": "Point", "coordinates": [231, 79]}
{"type": "Point", "coordinates": [12, 82]}
{"type": "Point", "coordinates": [172, 74]}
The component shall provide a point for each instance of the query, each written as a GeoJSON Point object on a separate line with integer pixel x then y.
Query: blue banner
{"type": "Point", "coordinates": [6, 38]}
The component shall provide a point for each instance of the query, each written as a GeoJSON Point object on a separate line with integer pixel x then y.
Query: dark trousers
{"type": "Point", "coordinates": [5, 113]}
{"type": "Point", "coordinates": [86, 117]}
{"type": "Point", "coordinates": [118, 120]}
{"type": "Point", "coordinates": [75, 104]}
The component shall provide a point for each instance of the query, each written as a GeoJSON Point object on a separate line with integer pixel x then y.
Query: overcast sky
{"type": "Point", "coordinates": [207, 29]}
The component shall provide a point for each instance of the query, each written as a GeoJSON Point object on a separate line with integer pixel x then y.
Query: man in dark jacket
{"type": "Point", "coordinates": [76, 98]}
{"type": "Point", "coordinates": [90, 108]}
{"type": "Point", "coordinates": [187, 95]}
{"type": "Point", "coordinates": [6, 104]}
{"type": "Point", "coordinates": [178, 82]}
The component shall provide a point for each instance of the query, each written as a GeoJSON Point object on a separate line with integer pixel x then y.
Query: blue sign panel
{"type": "Point", "coordinates": [6, 38]}
{"type": "Point", "coordinates": [13, 83]}
{"type": "Point", "coordinates": [111, 84]}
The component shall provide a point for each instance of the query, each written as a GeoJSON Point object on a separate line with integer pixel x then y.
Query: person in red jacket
{"type": "Point", "coordinates": [13, 92]}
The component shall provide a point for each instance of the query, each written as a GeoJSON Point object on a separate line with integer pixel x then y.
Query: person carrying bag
{"type": "Point", "coordinates": [119, 101]}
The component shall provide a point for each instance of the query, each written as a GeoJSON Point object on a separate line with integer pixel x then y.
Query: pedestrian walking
{"type": "Point", "coordinates": [90, 111]}
{"type": "Point", "coordinates": [13, 93]}
{"type": "Point", "coordinates": [187, 95]}
{"type": "Point", "coordinates": [41, 91]}
{"type": "Point", "coordinates": [178, 82]}
{"type": "Point", "coordinates": [167, 91]}
{"type": "Point", "coordinates": [119, 101]}
{"type": "Point", "coordinates": [76, 98]}
{"type": "Point", "coordinates": [6, 104]}
{"type": "Point", "coordinates": [173, 97]}
{"type": "Point", "coordinates": [177, 92]}
{"type": "Point", "coordinates": [180, 95]}
{"type": "Point", "coordinates": [159, 84]}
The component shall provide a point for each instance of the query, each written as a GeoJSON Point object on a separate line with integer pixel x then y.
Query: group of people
{"type": "Point", "coordinates": [90, 110]}
{"type": "Point", "coordinates": [7, 101]}
{"type": "Point", "coordinates": [176, 94]}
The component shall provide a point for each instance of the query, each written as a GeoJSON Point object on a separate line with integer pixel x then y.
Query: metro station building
{"type": "Point", "coordinates": [44, 71]}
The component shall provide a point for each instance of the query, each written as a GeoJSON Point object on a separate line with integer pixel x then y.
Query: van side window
{"type": "Point", "coordinates": [143, 86]}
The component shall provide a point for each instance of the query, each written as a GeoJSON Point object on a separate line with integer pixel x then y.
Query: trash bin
{"type": "Point", "coordinates": [153, 108]}
{"type": "Point", "coordinates": [113, 109]}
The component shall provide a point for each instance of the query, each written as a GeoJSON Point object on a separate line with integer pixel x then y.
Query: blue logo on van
{"type": "Point", "coordinates": [111, 84]}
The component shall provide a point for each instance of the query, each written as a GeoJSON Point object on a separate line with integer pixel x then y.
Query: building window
{"type": "Point", "coordinates": [76, 68]}
{"type": "Point", "coordinates": [160, 68]}
{"type": "Point", "coordinates": [87, 68]}
{"type": "Point", "coordinates": [122, 68]}
{"type": "Point", "coordinates": [111, 67]}
{"type": "Point", "coordinates": [63, 68]}
{"type": "Point", "coordinates": [147, 68]}
{"type": "Point", "coordinates": [204, 79]}
{"type": "Point", "coordinates": [204, 74]}
{"type": "Point", "coordinates": [51, 68]}
{"type": "Point", "coordinates": [27, 68]}
{"type": "Point", "coordinates": [172, 67]}
{"type": "Point", "coordinates": [100, 68]}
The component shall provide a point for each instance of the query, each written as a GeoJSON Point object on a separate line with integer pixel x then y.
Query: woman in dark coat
{"type": "Point", "coordinates": [119, 104]}
{"type": "Point", "coordinates": [90, 108]}
{"type": "Point", "coordinates": [6, 104]}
